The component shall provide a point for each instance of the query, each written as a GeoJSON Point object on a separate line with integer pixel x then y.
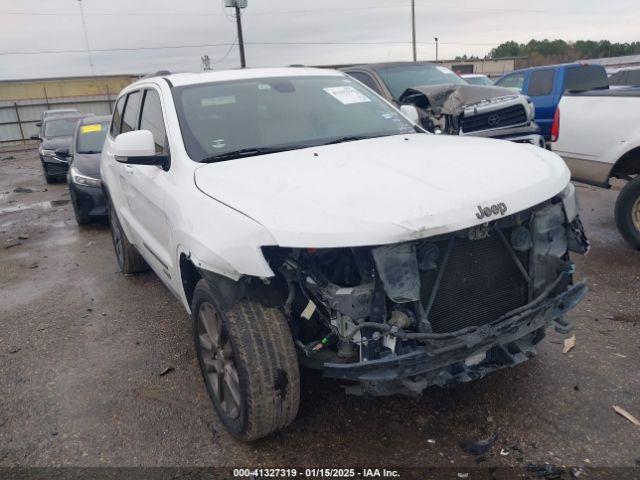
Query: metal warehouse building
{"type": "Point", "coordinates": [23, 101]}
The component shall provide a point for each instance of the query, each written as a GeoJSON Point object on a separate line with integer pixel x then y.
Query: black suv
{"type": "Point", "coordinates": [56, 137]}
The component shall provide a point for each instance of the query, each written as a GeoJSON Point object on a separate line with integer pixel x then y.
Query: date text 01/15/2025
{"type": "Point", "coordinates": [336, 473]}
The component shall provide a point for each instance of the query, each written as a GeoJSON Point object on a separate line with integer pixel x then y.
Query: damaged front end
{"type": "Point", "coordinates": [436, 311]}
{"type": "Point", "coordinates": [476, 110]}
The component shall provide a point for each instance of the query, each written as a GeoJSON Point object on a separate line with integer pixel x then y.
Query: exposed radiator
{"type": "Point", "coordinates": [480, 283]}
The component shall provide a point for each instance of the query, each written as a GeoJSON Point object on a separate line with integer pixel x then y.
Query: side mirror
{"type": "Point", "coordinates": [138, 148]}
{"type": "Point", "coordinates": [411, 112]}
{"type": "Point", "coordinates": [62, 152]}
{"type": "Point", "coordinates": [35, 137]}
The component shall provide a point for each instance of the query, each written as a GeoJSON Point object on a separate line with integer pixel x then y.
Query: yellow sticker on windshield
{"type": "Point", "coordinates": [91, 128]}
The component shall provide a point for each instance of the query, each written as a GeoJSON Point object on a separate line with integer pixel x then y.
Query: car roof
{"type": "Point", "coordinates": [557, 65]}
{"type": "Point", "coordinates": [95, 119]}
{"type": "Point", "coordinates": [181, 79]}
{"type": "Point", "coordinates": [64, 116]}
{"type": "Point", "coordinates": [381, 65]}
{"type": "Point", "coordinates": [626, 69]}
{"type": "Point", "coordinates": [59, 111]}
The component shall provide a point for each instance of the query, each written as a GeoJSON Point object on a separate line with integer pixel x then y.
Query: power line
{"type": "Point", "coordinates": [227, 52]}
{"type": "Point", "coordinates": [201, 45]}
{"type": "Point", "coordinates": [285, 12]}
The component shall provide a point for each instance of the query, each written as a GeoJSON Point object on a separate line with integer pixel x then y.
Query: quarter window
{"type": "Point", "coordinates": [153, 121]}
{"type": "Point", "coordinates": [366, 79]}
{"type": "Point", "coordinates": [117, 117]}
{"type": "Point", "coordinates": [541, 82]}
{"type": "Point", "coordinates": [512, 81]}
{"type": "Point", "coordinates": [586, 77]}
{"type": "Point", "coordinates": [131, 112]}
{"type": "Point", "coordinates": [632, 78]}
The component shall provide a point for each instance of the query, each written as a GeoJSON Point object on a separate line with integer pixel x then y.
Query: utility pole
{"type": "Point", "coordinates": [237, 5]}
{"type": "Point", "coordinates": [413, 29]}
{"type": "Point", "coordinates": [436, 39]}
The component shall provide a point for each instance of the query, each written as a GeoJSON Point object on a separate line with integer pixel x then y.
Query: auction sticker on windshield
{"type": "Point", "coordinates": [347, 95]}
{"type": "Point", "coordinates": [91, 128]}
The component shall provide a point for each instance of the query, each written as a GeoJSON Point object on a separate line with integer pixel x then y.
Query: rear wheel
{"type": "Point", "coordinates": [627, 212]}
{"type": "Point", "coordinates": [249, 364]}
{"type": "Point", "coordinates": [129, 260]}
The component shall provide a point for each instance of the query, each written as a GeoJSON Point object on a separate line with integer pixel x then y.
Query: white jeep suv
{"type": "Point", "coordinates": [302, 219]}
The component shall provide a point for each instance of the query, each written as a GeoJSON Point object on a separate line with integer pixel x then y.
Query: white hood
{"type": "Point", "coordinates": [383, 190]}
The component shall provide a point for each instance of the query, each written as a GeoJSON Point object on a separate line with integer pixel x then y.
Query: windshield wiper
{"type": "Point", "coordinates": [349, 138]}
{"type": "Point", "coordinates": [248, 152]}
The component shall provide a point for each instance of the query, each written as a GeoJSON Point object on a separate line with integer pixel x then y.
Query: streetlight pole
{"type": "Point", "coordinates": [436, 39]}
{"type": "Point", "coordinates": [413, 29]}
{"type": "Point", "coordinates": [243, 63]}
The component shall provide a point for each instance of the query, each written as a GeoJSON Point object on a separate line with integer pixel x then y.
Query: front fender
{"type": "Point", "coordinates": [219, 239]}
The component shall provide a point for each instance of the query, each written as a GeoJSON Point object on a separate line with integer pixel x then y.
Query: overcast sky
{"type": "Point", "coordinates": [280, 32]}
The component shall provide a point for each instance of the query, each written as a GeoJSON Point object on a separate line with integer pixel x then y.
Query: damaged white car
{"type": "Point", "coordinates": [301, 219]}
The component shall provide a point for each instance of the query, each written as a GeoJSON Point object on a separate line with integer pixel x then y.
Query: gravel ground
{"type": "Point", "coordinates": [82, 348]}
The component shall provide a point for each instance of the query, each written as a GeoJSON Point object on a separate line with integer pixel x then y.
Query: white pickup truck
{"type": "Point", "coordinates": [597, 133]}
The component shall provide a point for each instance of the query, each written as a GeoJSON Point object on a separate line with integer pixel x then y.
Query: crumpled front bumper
{"type": "Point", "coordinates": [446, 360]}
{"type": "Point", "coordinates": [521, 134]}
{"type": "Point", "coordinates": [55, 165]}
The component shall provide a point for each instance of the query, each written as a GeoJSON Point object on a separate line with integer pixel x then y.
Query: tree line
{"type": "Point", "coordinates": [543, 51]}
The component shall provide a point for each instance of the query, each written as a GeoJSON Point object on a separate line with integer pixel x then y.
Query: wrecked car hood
{"type": "Point", "coordinates": [453, 99]}
{"type": "Point", "coordinates": [384, 190]}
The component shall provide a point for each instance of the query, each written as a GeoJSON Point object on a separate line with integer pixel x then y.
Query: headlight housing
{"type": "Point", "coordinates": [47, 153]}
{"type": "Point", "coordinates": [79, 179]}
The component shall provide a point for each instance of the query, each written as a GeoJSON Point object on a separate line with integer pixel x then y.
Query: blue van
{"type": "Point", "coordinates": [545, 85]}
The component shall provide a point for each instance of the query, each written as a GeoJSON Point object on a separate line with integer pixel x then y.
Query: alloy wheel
{"type": "Point", "coordinates": [217, 361]}
{"type": "Point", "coordinates": [635, 213]}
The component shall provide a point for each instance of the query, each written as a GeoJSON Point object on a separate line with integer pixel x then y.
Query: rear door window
{"type": "Point", "coordinates": [131, 112]}
{"type": "Point", "coordinates": [541, 82]}
{"type": "Point", "coordinates": [585, 77]}
{"type": "Point", "coordinates": [515, 80]}
{"type": "Point", "coordinates": [153, 120]}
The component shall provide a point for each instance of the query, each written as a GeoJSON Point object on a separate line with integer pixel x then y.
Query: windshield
{"type": "Point", "coordinates": [60, 127]}
{"type": "Point", "coordinates": [91, 137]}
{"type": "Point", "coordinates": [399, 78]}
{"type": "Point", "coordinates": [478, 80]}
{"type": "Point", "coordinates": [229, 119]}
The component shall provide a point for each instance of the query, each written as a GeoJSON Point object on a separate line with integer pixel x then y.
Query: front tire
{"type": "Point", "coordinates": [81, 218]}
{"type": "Point", "coordinates": [249, 363]}
{"type": "Point", "coordinates": [48, 178]}
{"type": "Point", "coordinates": [627, 212]}
{"type": "Point", "coordinates": [129, 260]}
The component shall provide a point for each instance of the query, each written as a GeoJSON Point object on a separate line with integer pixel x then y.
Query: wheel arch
{"type": "Point", "coordinates": [229, 290]}
{"type": "Point", "coordinates": [270, 293]}
{"type": "Point", "coordinates": [628, 164]}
